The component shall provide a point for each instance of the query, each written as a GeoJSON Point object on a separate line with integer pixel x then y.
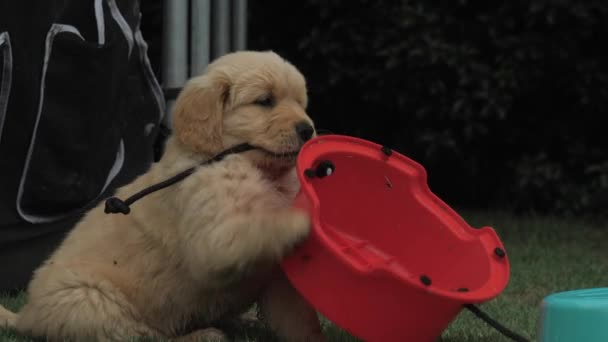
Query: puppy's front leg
{"type": "Point", "coordinates": [243, 239]}
{"type": "Point", "coordinates": [287, 313]}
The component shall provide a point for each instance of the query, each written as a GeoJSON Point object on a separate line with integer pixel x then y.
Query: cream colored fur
{"type": "Point", "coordinates": [203, 249]}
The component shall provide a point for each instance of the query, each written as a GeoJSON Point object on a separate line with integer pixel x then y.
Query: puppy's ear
{"type": "Point", "coordinates": [198, 113]}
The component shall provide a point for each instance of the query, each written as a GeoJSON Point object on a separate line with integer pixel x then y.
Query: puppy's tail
{"type": "Point", "coordinates": [8, 319]}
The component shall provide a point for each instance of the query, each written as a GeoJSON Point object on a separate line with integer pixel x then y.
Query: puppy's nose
{"type": "Point", "coordinates": [304, 130]}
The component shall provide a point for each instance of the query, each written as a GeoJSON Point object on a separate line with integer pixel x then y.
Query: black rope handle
{"type": "Point", "coordinates": [115, 205]}
{"type": "Point", "coordinates": [495, 324]}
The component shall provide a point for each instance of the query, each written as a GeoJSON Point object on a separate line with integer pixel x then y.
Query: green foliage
{"type": "Point", "coordinates": [503, 102]}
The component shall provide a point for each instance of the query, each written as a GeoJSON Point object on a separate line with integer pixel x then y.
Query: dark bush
{"type": "Point", "coordinates": [504, 102]}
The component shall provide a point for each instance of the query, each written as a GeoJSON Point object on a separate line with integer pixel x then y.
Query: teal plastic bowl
{"type": "Point", "coordinates": [575, 316]}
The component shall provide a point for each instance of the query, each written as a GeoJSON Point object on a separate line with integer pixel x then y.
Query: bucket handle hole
{"type": "Point", "coordinates": [324, 169]}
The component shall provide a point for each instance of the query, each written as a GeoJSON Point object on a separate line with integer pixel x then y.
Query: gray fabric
{"type": "Point", "coordinates": [7, 73]}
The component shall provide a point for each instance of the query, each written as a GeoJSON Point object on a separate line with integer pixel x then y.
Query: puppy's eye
{"type": "Point", "coordinates": [266, 101]}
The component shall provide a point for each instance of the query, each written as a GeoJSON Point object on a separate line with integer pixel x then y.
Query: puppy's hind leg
{"type": "Point", "coordinates": [72, 306]}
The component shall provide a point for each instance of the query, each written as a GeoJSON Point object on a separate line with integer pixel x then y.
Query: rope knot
{"type": "Point", "coordinates": [116, 205]}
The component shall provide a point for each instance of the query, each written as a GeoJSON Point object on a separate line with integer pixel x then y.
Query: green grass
{"type": "Point", "coordinates": [547, 255]}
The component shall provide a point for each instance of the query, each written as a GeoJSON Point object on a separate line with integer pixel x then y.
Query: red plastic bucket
{"type": "Point", "coordinates": [386, 260]}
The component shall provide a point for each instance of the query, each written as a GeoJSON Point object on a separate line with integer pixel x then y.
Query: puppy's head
{"type": "Point", "coordinates": [246, 97]}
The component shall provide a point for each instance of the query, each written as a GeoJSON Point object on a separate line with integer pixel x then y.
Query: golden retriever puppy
{"type": "Point", "coordinates": [203, 249]}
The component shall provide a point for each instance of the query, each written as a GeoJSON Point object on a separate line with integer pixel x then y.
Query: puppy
{"type": "Point", "coordinates": [204, 249]}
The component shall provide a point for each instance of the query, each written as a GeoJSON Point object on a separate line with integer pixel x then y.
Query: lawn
{"type": "Point", "coordinates": [547, 255]}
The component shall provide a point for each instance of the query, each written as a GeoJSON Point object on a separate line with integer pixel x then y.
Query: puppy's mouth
{"type": "Point", "coordinates": [287, 155]}
{"type": "Point", "coordinates": [273, 155]}
{"type": "Point", "coordinates": [275, 164]}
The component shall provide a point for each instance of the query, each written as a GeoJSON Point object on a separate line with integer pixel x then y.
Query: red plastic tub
{"type": "Point", "coordinates": [386, 260]}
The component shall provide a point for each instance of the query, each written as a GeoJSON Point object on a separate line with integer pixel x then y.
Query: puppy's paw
{"type": "Point", "coordinates": [299, 225]}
